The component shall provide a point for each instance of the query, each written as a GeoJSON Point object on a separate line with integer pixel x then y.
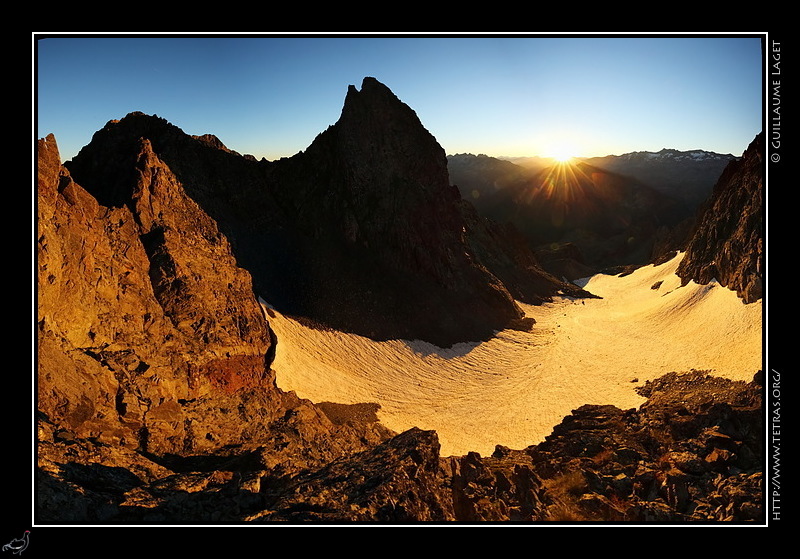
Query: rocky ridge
{"type": "Point", "coordinates": [727, 244]}
{"type": "Point", "coordinates": [688, 176]}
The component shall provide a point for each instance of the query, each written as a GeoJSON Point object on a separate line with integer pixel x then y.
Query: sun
{"type": "Point", "coordinates": [562, 152]}
{"type": "Point", "coordinates": [563, 156]}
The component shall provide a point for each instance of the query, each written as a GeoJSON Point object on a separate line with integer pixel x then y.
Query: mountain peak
{"type": "Point", "coordinates": [376, 113]}
{"type": "Point", "coordinates": [370, 84]}
{"type": "Point", "coordinates": [372, 91]}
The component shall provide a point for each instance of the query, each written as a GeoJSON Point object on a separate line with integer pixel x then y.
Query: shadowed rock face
{"type": "Point", "coordinates": [377, 216]}
{"type": "Point", "coordinates": [728, 242]}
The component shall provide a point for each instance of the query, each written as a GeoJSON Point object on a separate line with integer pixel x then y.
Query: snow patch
{"type": "Point", "coordinates": [514, 388]}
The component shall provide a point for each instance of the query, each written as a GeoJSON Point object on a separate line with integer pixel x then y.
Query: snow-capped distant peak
{"type": "Point", "coordinates": [675, 155]}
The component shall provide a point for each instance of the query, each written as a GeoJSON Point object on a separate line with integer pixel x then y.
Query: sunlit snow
{"type": "Point", "coordinates": [514, 388]}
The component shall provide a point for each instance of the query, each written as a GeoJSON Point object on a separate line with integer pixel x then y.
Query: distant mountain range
{"type": "Point", "coordinates": [686, 175]}
{"type": "Point", "coordinates": [611, 208]}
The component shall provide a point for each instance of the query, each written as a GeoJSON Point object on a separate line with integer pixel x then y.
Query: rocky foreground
{"type": "Point", "coordinates": [692, 452]}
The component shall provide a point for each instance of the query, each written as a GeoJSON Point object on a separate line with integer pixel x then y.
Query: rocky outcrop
{"type": "Point", "coordinates": [728, 242]}
{"type": "Point", "coordinates": [398, 481]}
{"type": "Point", "coordinates": [693, 451]}
{"type": "Point", "coordinates": [144, 306]}
{"type": "Point", "coordinates": [379, 219]}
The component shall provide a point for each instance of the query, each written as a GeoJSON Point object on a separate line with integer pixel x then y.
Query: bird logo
{"type": "Point", "coordinates": [18, 545]}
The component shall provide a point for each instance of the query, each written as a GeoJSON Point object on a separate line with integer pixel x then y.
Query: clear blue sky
{"type": "Point", "coordinates": [270, 96]}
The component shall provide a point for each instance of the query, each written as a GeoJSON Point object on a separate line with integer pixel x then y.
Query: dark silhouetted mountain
{"type": "Point", "coordinates": [480, 176]}
{"type": "Point", "coordinates": [502, 249]}
{"type": "Point", "coordinates": [727, 244]}
{"type": "Point", "coordinates": [362, 231]}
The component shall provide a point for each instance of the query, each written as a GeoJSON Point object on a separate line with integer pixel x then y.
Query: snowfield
{"type": "Point", "coordinates": [512, 389]}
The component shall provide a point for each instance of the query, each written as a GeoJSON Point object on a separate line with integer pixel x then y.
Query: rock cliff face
{"type": "Point", "coordinates": [146, 303]}
{"type": "Point", "coordinates": [727, 244]}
